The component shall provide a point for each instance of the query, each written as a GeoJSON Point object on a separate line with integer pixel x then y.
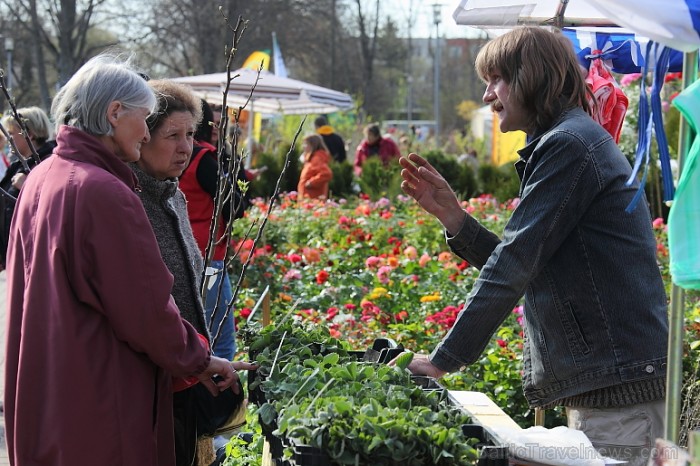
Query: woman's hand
{"type": "Point", "coordinates": [224, 372]}
{"type": "Point", "coordinates": [428, 187]}
{"type": "Point", "coordinates": [18, 181]}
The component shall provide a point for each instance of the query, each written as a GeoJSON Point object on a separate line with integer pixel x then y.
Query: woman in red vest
{"type": "Point", "coordinates": [199, 182]}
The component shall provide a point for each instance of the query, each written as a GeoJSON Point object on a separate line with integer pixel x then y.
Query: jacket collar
{"type": "Point", "coordinates": [153, 188]}
{"type": "Point", "coordinates": [75, 144]}
{"type": "Point", "coordinates": [533, 142]}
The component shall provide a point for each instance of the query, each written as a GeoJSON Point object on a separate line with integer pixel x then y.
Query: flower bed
{"type": "Point", "coordinates": [367, 270]}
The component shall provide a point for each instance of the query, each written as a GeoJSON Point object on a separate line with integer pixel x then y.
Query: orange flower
{"type": "Point", "coordinates": [444, 256]}
{"type": "Point", "coordinates": [311, 255]}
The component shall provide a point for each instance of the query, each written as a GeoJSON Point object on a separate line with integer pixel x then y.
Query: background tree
{"type": "Point", "coordinates": [61, 34]}
{"type": "Point", "coordinates": [353, 46]}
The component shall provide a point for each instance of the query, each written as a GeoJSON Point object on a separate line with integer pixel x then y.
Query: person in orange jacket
{"type": "Point", "coordinates": [316, 173]}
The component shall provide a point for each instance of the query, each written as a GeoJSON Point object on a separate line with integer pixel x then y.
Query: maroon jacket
{"type": "Point", "coordinates": [386, 149]}
{"type": "Point", "coordinates": [93, 333]}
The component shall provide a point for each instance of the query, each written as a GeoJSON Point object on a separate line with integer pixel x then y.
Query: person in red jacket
{"type": "Point", "coordinates": [374, 144]}
{"type": "Point", "coordinates": [316, 173]}
{"type": "Point", "coordinates": [200, 183]}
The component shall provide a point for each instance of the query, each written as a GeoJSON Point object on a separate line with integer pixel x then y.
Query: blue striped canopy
{"type": "Point", "coordinates": [622, 51]}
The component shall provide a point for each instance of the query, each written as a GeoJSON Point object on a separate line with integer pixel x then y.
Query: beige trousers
{"type": "Point", "coordinates": [627, 433]}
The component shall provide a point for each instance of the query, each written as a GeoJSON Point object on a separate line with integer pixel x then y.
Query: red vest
{"type": "Point", "coordinates": [200, 205]}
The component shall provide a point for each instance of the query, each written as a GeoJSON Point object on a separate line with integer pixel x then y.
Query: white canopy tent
{"type": "Point", "coordinates": [272, 94]}
{"type": "Point", "coordinates": [673, 23]}
{"type": "Point", "coordinates": [669, 22]}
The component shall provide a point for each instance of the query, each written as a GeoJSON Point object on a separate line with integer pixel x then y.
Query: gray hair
{"type": "Point", "coordinates": [37, 122]}
{"type": "Point", "coordinates": [84, 100]}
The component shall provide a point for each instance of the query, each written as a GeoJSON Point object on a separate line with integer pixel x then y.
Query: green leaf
{"type": "Point", "coordinates": [404, 359]}
{"type": "Point", "coordinates": [267, 413]}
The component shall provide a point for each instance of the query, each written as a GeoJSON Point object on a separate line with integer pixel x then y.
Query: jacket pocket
{"type": "Point", "coordinates": [574, 335]}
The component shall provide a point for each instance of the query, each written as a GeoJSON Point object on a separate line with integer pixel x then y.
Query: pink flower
{"type": "Point", "coordinates": [292, 274]}
{"type": "Point", "coordinates": [383, 274]}
{"type": "Point", "coordinates": [658, 223]}
{"type": "Point", "coordinates": [424, 259]}
{"type": "Point", "coordinates": [630, 78]}
{"type": "Point", "coordinates": [294, 258]}
{"type": "Point", "coordinates": [410, 252]}
{"type": "Point", "coordinates": [331, 312]}
{"type": "Point", "coordinates": [373, 262]}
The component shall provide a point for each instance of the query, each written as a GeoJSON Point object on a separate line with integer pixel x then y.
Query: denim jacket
{"type": "Point", "coordinates": [595, 306]}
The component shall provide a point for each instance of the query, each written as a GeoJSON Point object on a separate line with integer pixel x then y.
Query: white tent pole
{"type": "Point", "coordinates": [251, 117]}
{"type": "Point", "coordinates": [674, 373]}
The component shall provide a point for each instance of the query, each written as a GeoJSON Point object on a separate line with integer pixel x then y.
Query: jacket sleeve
{"type": "Point", "coordinates": [561, 186]}
{"type": "Point", "coordinates": [473, 242]}
{"type": "Point", "coordinates": [321, 172]}
{"type": "Point", "coordinates": [360, 157]}
{"type": "Point", "coordinates": [120, 274]}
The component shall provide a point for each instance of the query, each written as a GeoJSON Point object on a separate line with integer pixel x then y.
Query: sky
{"type": "Point", "coordinates": [424, 25]}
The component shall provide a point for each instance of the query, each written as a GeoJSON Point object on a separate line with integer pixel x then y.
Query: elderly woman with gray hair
{"type": "Point", "coordinates": [94, 336]}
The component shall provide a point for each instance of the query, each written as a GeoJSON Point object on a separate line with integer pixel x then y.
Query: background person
{"type": "Point", "coordinates": [587, 268]}
{"type": "Point", "coordinates": [41, 136]}
{"type": "Point", "coordinates": [375, 144]}
{"type": "Point", "coordinates": [316, 173]}
{"type": "Point", "coordinates": [94, 336]}
{"type": "Point", "coordinates": [333, 141]}
{"type": "Point", "coordinates": [199, 182]}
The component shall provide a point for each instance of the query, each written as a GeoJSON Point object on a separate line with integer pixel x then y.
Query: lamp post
{"type": "Point", "coordinates": [436, 20]}
{"type": "Point", "coordinates": [9, 48]}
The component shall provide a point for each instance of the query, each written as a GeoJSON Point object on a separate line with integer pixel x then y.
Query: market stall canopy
{"type": "Point", "coordinates": [674, 23]}
{"type": "Point", "coordinates": [272, 94]}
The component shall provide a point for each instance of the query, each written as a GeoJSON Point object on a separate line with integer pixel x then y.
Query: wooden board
{"type": "Point", "coordinates": [483, 411]}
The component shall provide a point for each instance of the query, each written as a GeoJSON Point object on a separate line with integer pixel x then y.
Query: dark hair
{"type": "Point", "coordinates": [320, 121]}
{"type": "Point", "coordinates": [541, 69]}
{"type": "Point", "coordinates": [172, 97]}
{"type": "Point", "coordinates": [203, 133]}
{"type": "Point", "coordinates": [372, 128]}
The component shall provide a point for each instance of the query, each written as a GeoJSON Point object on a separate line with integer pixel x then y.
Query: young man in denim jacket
{"type": "Point", "coordinates": [595, 308]}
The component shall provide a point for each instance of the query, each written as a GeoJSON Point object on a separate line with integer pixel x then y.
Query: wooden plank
{"type": "Point", "coordinates": [484, 412]}
{"type": "Point", "coordinates": [266, 456]}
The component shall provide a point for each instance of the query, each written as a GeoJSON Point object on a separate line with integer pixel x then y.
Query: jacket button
{"type": "Point", "coordinates": [649, 369]}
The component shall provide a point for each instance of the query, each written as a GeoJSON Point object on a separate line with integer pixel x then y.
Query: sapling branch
{"type": "Point", "coordinates": [277, 354]}
{"type": "Point", "coordinates": [22, 126]}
